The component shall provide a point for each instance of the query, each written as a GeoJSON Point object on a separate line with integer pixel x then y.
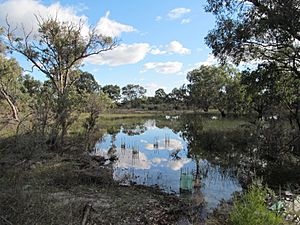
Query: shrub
{"type": "Point", "coordinates": [251, 209]}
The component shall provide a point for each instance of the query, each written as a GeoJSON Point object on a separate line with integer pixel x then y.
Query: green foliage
{"type": "Point", "coordinates": [10, 83]}
{"type": "Point", "coordinates": [58, 52]}
{"type": "Point", "coordinates": [160, 96]}
{"type": "Point", "coordinates": [31, 86]}
{"type": "Point", "coordinates": [85, 82]}
{"type": "Point", "coordinates": [133, 94]}
{"type": "Point", "coordinates": [215, 86]}
{"type": "Point", "coordinates": [260, 31]}
{"type": "Point", "coordinates": [252, 209]}
{"type": "Point", "coordinates": [261, 88]}
{"type": "Point", "coordinates": [113, 91]}
{"type": "Point", "coordinates": [247, 30]}
{"type": "Point", "coordinates": [133, 91]}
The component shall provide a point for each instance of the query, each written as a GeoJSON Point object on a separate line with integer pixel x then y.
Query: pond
{"type": "Point", "coordinates": [160, 156]}
{"type": "Point", "coordinates": [203, 159]}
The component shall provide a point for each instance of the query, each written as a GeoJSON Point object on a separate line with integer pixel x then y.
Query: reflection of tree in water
{"type": "Point", "coordinates": [252, 149]}
{"type": "Point", "coordinates": [133, 129]}
{"type": "Point", "coordinates": [211, 144]}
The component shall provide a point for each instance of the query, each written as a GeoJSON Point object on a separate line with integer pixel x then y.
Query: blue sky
{"type": "Point", "coordinates": [160, 41]}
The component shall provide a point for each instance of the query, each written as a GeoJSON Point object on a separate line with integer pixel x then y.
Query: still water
{"type": "Point", "coordinates": [161, 156]}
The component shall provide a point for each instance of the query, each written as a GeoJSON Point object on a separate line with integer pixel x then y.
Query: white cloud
{"type": "Point", "coordinates": [111, 28]}
{"type": "Point", "coordinates": [158, 18]}
{"type": "Point", "coordinates": [23, 12]}
{"type": "Point", "coordinates": [172, 47]}
{"type": "Point", "coordinates": [164, 67]}
{"type": "Point", "coordinates": [178, 13]}
{"type": "Point", "coordinates": [178, 48]}
{"type": "Point", "coordinates": [157, 51]}
{"type": "Point", "coordinates": [211, 60]}
{"type": "Point", "coordinates": [185, 21]}
{"type": "Point", "coordinates": [152, 87]}
{"type": "Point", "coordinates": [121, 55]}
{"type": "Point", "coordinates": [81, 7]}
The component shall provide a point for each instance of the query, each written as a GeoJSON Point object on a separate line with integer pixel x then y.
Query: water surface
{"type": "Point", "coordinates": [165, 157]}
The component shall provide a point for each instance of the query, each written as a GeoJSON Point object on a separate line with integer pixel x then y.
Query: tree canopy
{"type": "Point", "coordinates": [258, 30]}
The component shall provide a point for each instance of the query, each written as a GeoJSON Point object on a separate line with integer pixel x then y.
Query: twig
{"type": "Point", "coordinates": [5, 220]}
{"type": "Point", "coordinates": [86, 213]}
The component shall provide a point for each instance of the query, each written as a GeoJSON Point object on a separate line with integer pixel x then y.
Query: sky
{"type": "Point", "coordinates": [159, 41]}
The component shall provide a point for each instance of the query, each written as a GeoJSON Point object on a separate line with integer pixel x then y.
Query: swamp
{"type": "Point", "coordinates": [173, 113]}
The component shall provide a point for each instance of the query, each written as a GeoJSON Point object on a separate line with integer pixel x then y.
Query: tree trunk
{"type": "Point", "coordinates": [14, 108]}
{"type": "Point", "coordinates": [223, 114]}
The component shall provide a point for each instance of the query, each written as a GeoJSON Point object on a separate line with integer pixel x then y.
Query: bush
{"type": "Point", "coordinates": [252, 209]}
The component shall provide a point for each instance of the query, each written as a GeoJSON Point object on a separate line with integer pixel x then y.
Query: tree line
{"type": "Point", "coordinates": [245, 31]}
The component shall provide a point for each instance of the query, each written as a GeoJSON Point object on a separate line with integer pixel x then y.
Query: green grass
{"type": "Point", "coordinates": [223, 124]}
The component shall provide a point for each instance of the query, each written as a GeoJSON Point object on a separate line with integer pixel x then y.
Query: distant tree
{"type": "Point", "coordinates": [133, 92]}
{"type": "Point", "coordinates": [58, 51]}
{"type": "Point", "coordinates": [160, 94]}
{"type": "Point", "coordinates": [112, 91]}
{"type": "Point", "coordinates": [236, 101]}
{"type": "Point", "coordinates": [206, 85]}
{"type": "Point", "coordinates": [177, 97]}
{"type": "Point", "coordinates": [30, 85]}
{"type": "Point", "coordinates": [85, 82]}
{"type": "Point", "coordinates": [210, 87]}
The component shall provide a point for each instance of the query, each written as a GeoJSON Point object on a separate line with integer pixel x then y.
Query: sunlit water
{"type": "Point", "coordinates": [149, 155]}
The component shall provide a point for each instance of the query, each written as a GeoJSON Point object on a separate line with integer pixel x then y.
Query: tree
{"type": "Point", "coordinates": [212, 86]}
{"type": "Point", "coordinates": [85, 82]}
{"type": "Point", "coordinates": [235, 96]}
{"type": "Point", "coordinates": [160, 94]}
{"type": "Point", "coordinates": [10, 82]}
{"type": "Point", "coordinates": [178, 96]}
{"type": "Point", "coordinates": [112, 91]}
{"type": "Point", "coordinates": [57, 52]}
{"type": "Point", "coordinates": [95, 104]}
{"type": "Point", "coordinates": [266, 31]}
{"type": "Point", "coordinates": [30, 85]}
{"type": "Point", "coordinates": [256, 30]}
{"type": "Point", "coordinates": [260, 88]}
{"type": "Point", "coordinates": [133, 92]}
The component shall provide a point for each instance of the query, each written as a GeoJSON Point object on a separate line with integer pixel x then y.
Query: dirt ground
{"type": "Point", "coordinates": [68, 189]}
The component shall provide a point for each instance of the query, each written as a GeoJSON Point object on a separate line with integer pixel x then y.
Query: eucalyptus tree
{"type": "Point", "coordinates": [112, 91]}
{"type": "Point", "coordinates": [212, 86]}
{"type": "Point", "coordinates": [160, 96]}
{"type": "Point", "coordinates": [31, 86]}
{"type": "Point", "coordinates": [133, 93]}
{"type": "Point", "coordinates": [261, 89]}
{"type": "Point", "coordinates": [57, 51]}
{"type": "Point", "coordinates": [178, 97]}
{"type": "Point", "coordinates": [265, 31]}
{"type": "Point", "coordinates": [85, 82]}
